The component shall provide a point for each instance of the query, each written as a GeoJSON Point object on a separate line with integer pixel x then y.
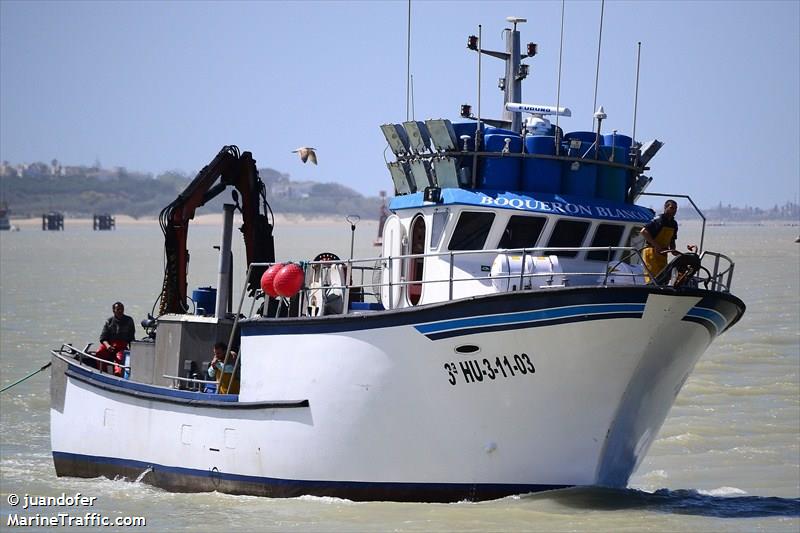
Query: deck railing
{"type": "Point", "coordinates": [716, 274]}
{"type": "Point", "coordinates": [68, 350]}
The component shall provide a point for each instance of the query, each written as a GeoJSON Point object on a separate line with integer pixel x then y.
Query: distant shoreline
{"type": "Point", "coordinates": [214, 219]}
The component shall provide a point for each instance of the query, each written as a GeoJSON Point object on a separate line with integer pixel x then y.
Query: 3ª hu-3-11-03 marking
{"type": "Point", "coordinates": [476, 370]}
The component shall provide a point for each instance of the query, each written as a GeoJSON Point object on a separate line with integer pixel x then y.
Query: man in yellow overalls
{"type": "Point", "coordinates": [660, 235]}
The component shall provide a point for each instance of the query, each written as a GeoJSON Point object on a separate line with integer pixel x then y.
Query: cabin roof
{"type": "Point", "coordinates": [536, 202]}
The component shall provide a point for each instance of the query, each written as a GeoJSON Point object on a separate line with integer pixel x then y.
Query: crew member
{"type": "Point", "coordinates": [227, 380]}
{"type": "Point", "coordinates": [660, 234]}
{"type": "Point", "coordinates": [118, 332]}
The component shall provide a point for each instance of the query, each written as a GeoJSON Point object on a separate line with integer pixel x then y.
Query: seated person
{"type": "Point", "coordinates": [227, 381]}
{"type": "Point", "coordinates": [117, 334]}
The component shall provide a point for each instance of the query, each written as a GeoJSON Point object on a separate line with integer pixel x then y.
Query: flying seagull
{"type": "Point", "coordinates": [306, 154]}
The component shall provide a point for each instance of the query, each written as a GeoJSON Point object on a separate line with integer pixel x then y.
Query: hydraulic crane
{"type": "Point", "coordinates": [228, 168]}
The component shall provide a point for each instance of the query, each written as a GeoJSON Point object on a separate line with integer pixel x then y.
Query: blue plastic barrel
{"type": "Point", "coordinates": [618, 141]}
{"type": "Point", "coordinates": [579, 178]}
{"type": "Point", "coordinates": [583, 136]}
{"type": "Point", "coordinates": [501, 173]}
{"type": "Point", "coordinates": [205, 298]}
{"type": "Point", "coordinates": [612, 183]}
{"type": "Point", "coordinates": [541, 175]}
{"type": "Point", "coordinates": [491, 130]}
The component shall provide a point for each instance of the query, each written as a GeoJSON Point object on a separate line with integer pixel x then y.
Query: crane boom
{"type": "Point", "coordinates": [228, 168]}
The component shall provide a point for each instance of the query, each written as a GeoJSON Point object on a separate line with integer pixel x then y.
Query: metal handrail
{"type": "Point", "coordinates": [187, 380]}
{"type": "Point", "coordinates": [68, 349]}
{"type": "Point", "coordinates": [522, 155]}
{"type": "Point", "coordinates": [720, 280]}
{"type": "Point", "coordinates": [191, 380]}
{"type": "Point", "coordinates": [694, 205]}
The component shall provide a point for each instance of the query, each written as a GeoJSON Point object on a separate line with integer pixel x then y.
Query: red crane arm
{"type": "Point", "coordinates": [230, 169]}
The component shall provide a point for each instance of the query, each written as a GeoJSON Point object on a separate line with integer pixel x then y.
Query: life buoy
{"type": "Point", "coordinates": [686, 268]}
{"type": "Point", "coordinates": [325, 290]}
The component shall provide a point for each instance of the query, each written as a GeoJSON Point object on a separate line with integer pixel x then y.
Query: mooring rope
{"type": "Point", "coordinates": [45, 367]}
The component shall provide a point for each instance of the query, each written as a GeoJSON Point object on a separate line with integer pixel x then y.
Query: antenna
{"type": "Point", "coordinates": [599, 42]}
{"type": "Point", "coordinates": [636, 93]}
{"type": "Point", "coordinates": [408, 62]}
{"type": "Point", "coordinates": [412, 98]}
{"type": "Point", "coordinates": [558, 89]}
{"type": "Point", "coordinates": [478, 123]}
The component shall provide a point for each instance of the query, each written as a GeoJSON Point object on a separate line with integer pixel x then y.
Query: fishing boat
{"type": "Point", "coordinates": [508, 338]}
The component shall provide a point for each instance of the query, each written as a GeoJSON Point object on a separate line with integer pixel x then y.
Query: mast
{"type": "Point", "coordinates": [516, 71]}
{"type": "Point", "coordinates": [513, 84]}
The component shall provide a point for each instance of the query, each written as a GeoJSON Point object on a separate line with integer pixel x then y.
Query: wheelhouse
{"type": "Point", "coordinates": [466, 234]}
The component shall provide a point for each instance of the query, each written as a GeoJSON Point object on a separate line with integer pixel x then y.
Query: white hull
{"type": "Point", "coordinates": [385, 421]}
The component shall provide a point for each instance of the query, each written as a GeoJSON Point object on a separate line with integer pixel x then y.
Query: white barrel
{"type": "Point", "coordinates": [540, 271]}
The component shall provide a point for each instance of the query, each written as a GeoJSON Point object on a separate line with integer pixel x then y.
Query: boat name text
{"type": "Point", "coordinates": [565, 208]}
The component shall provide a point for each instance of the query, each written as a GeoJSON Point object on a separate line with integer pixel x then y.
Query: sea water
{"type": "Point", "coordinates": [727, 457]}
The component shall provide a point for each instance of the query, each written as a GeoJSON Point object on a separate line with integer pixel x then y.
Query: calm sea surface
{"type": "Point", "coordinates": [727, 458]}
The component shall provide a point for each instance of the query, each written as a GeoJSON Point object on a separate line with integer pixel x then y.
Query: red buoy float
{"type": "Point", "coordinates": [268, 279]}
{"type": "Point", "coordinates": [289, 280]}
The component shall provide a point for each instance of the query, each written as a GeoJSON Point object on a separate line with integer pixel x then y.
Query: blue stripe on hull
{"type": "Point", "coordinates": [712, 320]}
{"type": "Point", "coordinates": [180, 479]}
{"type": "Point", "coordinates": [528, 325]}
{"type": "Point", "coordinates": [528, 319]}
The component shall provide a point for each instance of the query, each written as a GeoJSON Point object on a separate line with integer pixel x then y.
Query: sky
{"type": "Point", "coordinates": [159, 86]}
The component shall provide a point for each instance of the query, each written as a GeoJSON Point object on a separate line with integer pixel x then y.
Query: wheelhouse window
{"type": "Point", "coordinates": [522, 232]}
{"type": "Point", "coordinates": [471, 231]}
{"type": "Point", "coordinates": [606, 235]}
{"type": "Point", "coordinates": [567, 234]}
{"type": "Point", "coordinates": [437, 227]}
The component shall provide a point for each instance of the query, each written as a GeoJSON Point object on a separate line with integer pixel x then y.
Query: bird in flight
{"type": "Point", "coordinates": [306, 154]}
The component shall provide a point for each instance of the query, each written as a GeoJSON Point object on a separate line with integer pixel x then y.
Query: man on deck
{"type": "Point", "coordinates": [660, 234]}
{"type": "Point", "coordinates": [117, 334]}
